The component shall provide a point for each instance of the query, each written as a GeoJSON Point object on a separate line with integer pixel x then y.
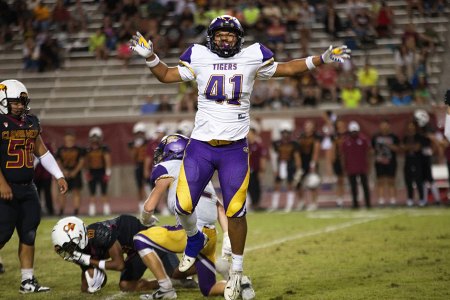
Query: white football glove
{"type": "Point", "coordinates": [141, 46]}
{"type": "Point", "coordinates": [339, 54]}
{"type": "Point", "coordinates": [95, 282]}
{"type": "Point", "coordinates": [226, 245]}
{"type": "Point", "coordinates": [79, 258]}
{"type": "Point", "coordinates": [148, 219]}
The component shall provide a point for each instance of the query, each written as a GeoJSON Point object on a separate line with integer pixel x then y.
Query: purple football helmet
{"type": "Point", "coordinates": [171, 147]}
{"type": "Point", "coordinates": [226, 23]}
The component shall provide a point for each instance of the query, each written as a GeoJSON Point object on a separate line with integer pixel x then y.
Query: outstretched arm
{"type": "Point", "coordinates": [161, 71]}
{"type": "Point", "coordinates": [298, 66]}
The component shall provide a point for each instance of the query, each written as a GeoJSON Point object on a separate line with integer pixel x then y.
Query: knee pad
{"type": "Point", "coordinates": [28, 237]}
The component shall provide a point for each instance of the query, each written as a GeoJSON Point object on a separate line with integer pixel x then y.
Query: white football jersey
{"type": "Point", "coordinates": [206, 209]}
{"type": "Point", "coordinates": [224, 88]}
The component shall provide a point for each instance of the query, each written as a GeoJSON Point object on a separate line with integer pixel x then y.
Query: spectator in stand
{"type": "Point", "coordinates": [97, 44]}
{"type": "Point", "coordinates": [164, 104]}
{"type": "Point", "coordinates": [70, 158]}
{"type": "Point", "coordinates": [50, 58]}
{"type": "Point", "coordinates": [332, 22]}
{"type": "Point", "coordinates": [373, 97]}
{"type": "Point", "coordinates": [422, 93]}
{"type": "Point", "coordinates": [412, 170]}
{"type": "Point", "coordinates": [288, 167]}
{"type": "Point", "coordinates": [129, 12]}
{"type": "Point", "coordinates": [367, 78]}
{"type": "Point", "coordinates": [310, 92]}
{"type": "Point", "coordinates": [252, 14]}
{"type": "Point", "coordinates": [257, 162]}
{"type": "Point", "coordinates": [61, 17]}
{"type": "Point", "coordinates": [276, 35]}
{"type": "Point", "coordinates": [291, 13]}
{"type": "Point", "coordinates": [258, 99]}
{"type": "Point", "coordinates": [355, 155]}
{"type": "Point", "coordinates": [327, 77]}
{"type": "Point", "coordinates": [80, 18]}
{"type": "Point", "coordinates": [338, 168]}
{"type": "Point", "coordinates": [112, 8]}
{"type": "Point", "coordinates": [386, 145]}
{"type": "Point", "coordinates": [98, 170]}
{"type": "Point", "coordinates": [110, 33]}
{"type": "Point", "coordinates": [289, 91]}
{"type": "Point", "coordinates": [41, 16]}
{"type": "Point", "coordinates": [274, 94]}
{"type": "Point", "coordinates": [201, 20]}
{"type": "Point", "coordinates": [401, 91]}
{"type": "Point", "coordinates": [309, 149]}
{"type": "Point", "coordinates": [123, 50]}
{"type": "Point", "coordinates": [43, 181]}
{"type": "Point", "coordinates": [384, 21]}
{"type": "Point", "coordinates": [138, 149]}
{"type": "Point", "coordinates": [351, 96]}
{"type": "Point", "coordinates": [404, 60]}
{"type": "Point", "coordinates": [31, 55]}
{"type": "Point", "coordinates": [414, 5]}
{"type": "Point", "coordinates": [150, 106]}
{"type": "Point", "coordinates": [362, 26]}
{"type": "Point", "coordinates": [306, 21]}
{"type": "Point", "coordinates": [156, 10]}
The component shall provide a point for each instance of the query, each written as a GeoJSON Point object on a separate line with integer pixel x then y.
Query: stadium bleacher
{"type": "Point", "coordinates": [86, 87]}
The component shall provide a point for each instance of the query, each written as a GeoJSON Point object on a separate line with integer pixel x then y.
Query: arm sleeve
{"type": "Point", "coordinates": [49, 163]}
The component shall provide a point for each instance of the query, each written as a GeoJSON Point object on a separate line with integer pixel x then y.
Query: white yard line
{"type": "Point", "coordinates": [302, 235]}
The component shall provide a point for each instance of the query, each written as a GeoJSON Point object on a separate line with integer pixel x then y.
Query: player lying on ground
{"type": "Point", "coordinates": [102, 245]}
{"type": "Point", "coordinates": [165, 174]}
{"type": "Point", "coordinates": [225, 73]}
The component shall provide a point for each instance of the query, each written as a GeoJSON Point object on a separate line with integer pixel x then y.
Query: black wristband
{"type": "Point", "coordinates": [447, 98]}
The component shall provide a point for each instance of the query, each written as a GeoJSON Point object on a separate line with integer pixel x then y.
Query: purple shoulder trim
{"type": "Point", "coordinates": [266, 52]}
{"type": "Point", "coordinates": [186, 56]}
{"type": "Point", "coordinates": [158, 172]}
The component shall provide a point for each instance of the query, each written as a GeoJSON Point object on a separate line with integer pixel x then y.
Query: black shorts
{"type": "Point", "coordinates": [75, 182]}
{"type": "Point", "coordinates": [385, 170]}
{"type": "Point", "coordinates": [97, 178]}
{"type": "Point", "coordinates": [23, 213]}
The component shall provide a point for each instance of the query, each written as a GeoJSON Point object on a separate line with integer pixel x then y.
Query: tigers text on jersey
{"type": "Point", "coordinates": [224, 88]}
{"type": "Point", "coordinates": [206, 209]}
{"type": "Point", "coordinates": [17, 147]}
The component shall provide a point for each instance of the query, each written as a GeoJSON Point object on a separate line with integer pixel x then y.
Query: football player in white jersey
{"type": "Point", "coordinates": [225, 73]}
{"type": "Point", "coordinates": [165, 175]}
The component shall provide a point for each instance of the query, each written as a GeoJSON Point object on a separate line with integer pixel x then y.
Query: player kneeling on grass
{"type": "Point", "coordinates": [168, 159]}
{"type": "Point", "coordinates": [101, 246]}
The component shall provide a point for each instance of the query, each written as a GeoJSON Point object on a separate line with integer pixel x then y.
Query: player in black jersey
{"type": "Point", "coordinates": [20, 209]}
{"type": "Point", "coordinates": [103, 245]}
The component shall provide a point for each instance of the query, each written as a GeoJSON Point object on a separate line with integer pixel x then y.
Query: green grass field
{"type": "Point", "coordinates": [328, 254]}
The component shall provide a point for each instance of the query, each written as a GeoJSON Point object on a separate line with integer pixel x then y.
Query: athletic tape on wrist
{"type": "Point", "coordinates": [101, 265]}
{"type": "Point", "coordinates": [309, 63]}
{"type": "Point", "coordinates": [153, 63]}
